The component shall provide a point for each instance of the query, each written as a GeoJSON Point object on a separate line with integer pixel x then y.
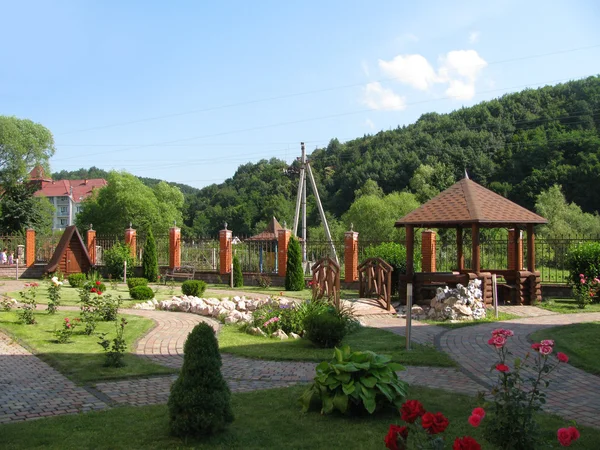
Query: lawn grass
{"type": "Point", "coordinates": [82, 359]}
{"type": "Point", "coordinates": [579, 341]}
{"type": "Point", "coordinates": [567, 306]}
{"type": "Point", "coordinates": [233, 340]}
{"type": "Point", "coordinates": [489, 319]}
{"type": "Point", "coordinates": [268, 419]}
{"type": "Point", "coordinates": [70, 295]}
{"type": "Point", "coordinates": [278, 291]}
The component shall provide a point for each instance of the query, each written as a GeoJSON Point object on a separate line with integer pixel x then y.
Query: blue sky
{"type": "Point", "coordinates": [187, 91]}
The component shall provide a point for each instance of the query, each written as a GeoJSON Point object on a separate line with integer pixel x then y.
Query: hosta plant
{"type": "Point", "coordinates": [353, 381]}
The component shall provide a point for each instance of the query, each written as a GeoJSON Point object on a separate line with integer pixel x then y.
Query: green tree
{"type": "Point", "coordinates": [23, 145]}
{"type": "Point", "coordinates": [20, 210]}
{"type": "Point", "coordinates": [294, 276]}
{"type": "Point", "coordinates": [238, 276]}
{"type": "Point", "coordinates": [374, 217]}
{"type": "Point", "coordinates": [150, 258]}
{"type": "Point", "coordinates": [114, 259]}
{"type": "Point", "coordinates": [200, 400]}
{"type": "Point", "coordinates": [127, 200]}
{"type": "Point", "coordinates": [431, 179]}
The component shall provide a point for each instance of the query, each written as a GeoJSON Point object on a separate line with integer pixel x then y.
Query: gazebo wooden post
{"type": "Point", "coordinates": [530, 248]}
{"type": "Point", "coordinates": [459, 247]}
{"type": "Point", "coordinates": [517, 247]}
{"type": "Point", "coordinates": [410, 251]}
{"type": "Point", "coordinates": [475, 250]}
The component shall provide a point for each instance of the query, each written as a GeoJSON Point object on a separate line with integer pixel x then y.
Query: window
{"type": "Point", "coordinates": [63, 222]}
{"type": "Point", "coordinates": [63, 210]}
{"type": "Point", "coordinates": [79, 209]}
{"type": "Point", "coordinates": [64, 199]}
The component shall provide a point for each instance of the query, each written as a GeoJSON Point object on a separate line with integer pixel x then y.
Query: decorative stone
{"type": "Point", "coordinates": [229, 305]}
{"type": "Point", "coordinates": [416, 310]}
{"type": "Point", "coordinates": [241, 306]}
{"type": "Point", "coordinates": [280, 334]}
{"type": "Point", "coordinates": [295, 336]}
{"type": "Point", "coordinates": [464, 310]}
{"type": "Point", "coordinates": [212, 301]}
{"type": "Point", "coordinates": [255, 331]}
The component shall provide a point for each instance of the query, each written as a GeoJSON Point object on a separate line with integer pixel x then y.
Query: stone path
{"type": "Point", "coordinates": [31, 389]}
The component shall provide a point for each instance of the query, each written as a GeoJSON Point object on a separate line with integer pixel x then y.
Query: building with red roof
{"type": "Point", "coordinates": [65, 195]}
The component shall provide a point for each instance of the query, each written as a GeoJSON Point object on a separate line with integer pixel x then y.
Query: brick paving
{"type": "Point", "coordinates": [572, 394]}
{"type": "Point", "coordinates": [30, 388]}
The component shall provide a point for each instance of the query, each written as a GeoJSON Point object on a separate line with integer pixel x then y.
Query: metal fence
{"type": "Point", "coordinates": [45, 244]}
{"type": "Point", "coordinates": [13, 245]}
{"type": "Point", "coordinates": [105, 242]}
{"type": "Point", "coordinates": [257, 256]}
{"type": "Point", "coordinates": [203, 253]}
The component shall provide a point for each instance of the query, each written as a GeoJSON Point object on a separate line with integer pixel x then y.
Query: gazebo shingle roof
{"type": "Point", "coordinates": [467, 202]}
{"type": "Point", "coordinates": [270, 234]}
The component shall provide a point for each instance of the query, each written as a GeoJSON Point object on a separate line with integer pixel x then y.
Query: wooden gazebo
{"type": "Point", "coordinates": [267, 246]}
{"type": "Point", "coordinates": [466, 204]}
{"type": "Point", "coordinates": [71, 254]}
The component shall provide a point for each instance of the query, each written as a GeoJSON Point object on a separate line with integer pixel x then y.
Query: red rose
{"type": "Point", "coordinates": [466, 443]}
{"type": "Point", "coordinates": [411, 410]}
{"type": "Point", "coordinates": [478, 412]}
{"type": "Point", "coordinates": [562, 357]}
{"type": "Point", "coordinates": [536, 346]}
{"type": "Point", "coordinates": [93, 290]}
{"type": "Point", "coordinates": [475, 420]}
{"type": "Point", "coordinates": [98, 283]}
{"type": "Point", "coordinates": [564, 437]}
{"type": "Point", "coordinates": [574, 433]}
{"type": "Point", "coordinates": [502, 368]}
{"type": "Point", "coordinates": [434, 423]}
{"type": "Point", "coordinates": [391, 438]}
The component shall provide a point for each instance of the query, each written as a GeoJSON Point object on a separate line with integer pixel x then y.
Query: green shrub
{"type": "Point", "coordinates": [200, 400]}
{"type": "Point", "coordinates": [290, 320]}
{"type": "Point", "coordinates": [355, 381]}
{"type": "Point", "coordinates": [194, 288]}
{"type": "Point", "coordinates": [150, 259]}
{"type": "Point", "coordinates": [392, 253]}
{"type": "Point", "coordinates": [114, 258]}
{"type": "Point", "coordinates": [325, 329]}
{"type": "Point", "coordinates": [76, 280]}
{"type": "Point", "coordinates": [134, 282]}
{"type": "Point", "coordinates": [238, 276]}
{"type": "Point", "coordinates": [141, 293]}
{"type": "Point", "coordinates": [265, 312]}
{"type": "Point", "coordinates": [294, 276]}
{"type": "Point", "coordinates": [107, 307]}
{"type": "Point", "coordinates": [584, 259]}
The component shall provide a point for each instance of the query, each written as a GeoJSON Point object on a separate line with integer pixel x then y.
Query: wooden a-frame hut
{"type": "Point", "coordinates": [71, 254]}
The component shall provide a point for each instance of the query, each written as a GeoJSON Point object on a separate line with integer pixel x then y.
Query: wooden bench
{"type": "Point", "coordinates": [180, 273]}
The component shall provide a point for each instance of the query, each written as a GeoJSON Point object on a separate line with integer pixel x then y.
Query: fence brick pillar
{"type": "Point", "coordinates": [225, 251]}
{"type": "Point", "coordinates": [428, 251]}
{"type": "Point", "coordinates": [30, 247]}
{"type": "Point", "coordinates": [515, 258]}
{"type": "Point", "coordinates": [91, 245]}
{"type": "Point", "coordinates": [350, 256]}
{"type": "Point", "coordinates": [131, 240]}
{"type": "Point", "coordinates": [174, 247]}
{"type": "Point", "coordinates": [283, 239]}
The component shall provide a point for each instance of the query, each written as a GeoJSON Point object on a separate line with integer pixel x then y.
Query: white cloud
{"type": "Point", "coordinates": [411, 37]}
{"type": "Point", "coordinates": [370, 124]}
{"type": "Point", "coordinates": [380, 98]}
{"type": "Point", "coordinates": [465, 63]}
{"type": "Point", "coordinates": [413, 70]}
{"type": "Point", "coordinates": [460, 90]}
{"type": "Point", "coordinates": [474, 37]}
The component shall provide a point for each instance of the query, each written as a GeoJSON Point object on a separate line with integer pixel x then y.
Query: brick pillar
{"type": "Point", "coordinates": [30, 247]}
{"type": "Point", "coordinates": [131, 240]}
{"type": "Point", "coordinates": [225, 256]}
{"type": "Point", "coordinates": [515, 258]}
{"type": "Point", "coordinates": [283, 238]}
{"type": "Point", "coordinates": [350, 256]}
{"type": "Point", "coordinates": [428, 251]}
{"type": "Point", "coordinates": [174, 247]}
{"type": "Point", "coordinates": [91, 245]}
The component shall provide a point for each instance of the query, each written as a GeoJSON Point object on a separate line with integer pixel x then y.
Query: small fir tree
{"type": "Point", "coordinates": [150, 258]}
{"type": "Point", "coordinates": [238, 277]}
{"type": "Point", "coordinates": [294, 276]}
{"type": "Point", "coordinates": [200, 400]}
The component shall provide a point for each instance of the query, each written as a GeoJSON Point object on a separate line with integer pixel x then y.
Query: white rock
{"type": "Point", "coordinates": [464, 310]}
{"type": "Point", "coordinates": [155, 302]}
{"type": "Point", "coordinates": [236, 299]}
{"type": "Point", "coordinates": [231, 319]}
{"type": "Point", "coordinates": [229, 305]}
{"type": "Point", "coordinates": [241, 306]}
{"type": "Point", "coordinates": [416, 310]}
{"type": "Point", "coordinates": [212, 301]}
{"type": "Point", "coordinates": [280, 334]}
{"type": "Point", "coordinates": [295, 336]}
{"type": "Point", "coordinates": [250, 305]}
{"type": "Point", "coordinates": [255, 331]}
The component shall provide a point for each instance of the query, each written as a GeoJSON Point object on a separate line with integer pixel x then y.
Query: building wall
{"type": "Point", "coordinates": [65, 211]}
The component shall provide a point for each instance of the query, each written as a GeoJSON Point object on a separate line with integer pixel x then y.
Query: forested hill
{"type": "Point", "coordinates": [94, 172]}
{"type": "Point", "coordinates": [517, 145]}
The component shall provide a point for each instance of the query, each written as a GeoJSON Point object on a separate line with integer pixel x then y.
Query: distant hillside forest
{"type": "Point", "coordinates": [519, 145]}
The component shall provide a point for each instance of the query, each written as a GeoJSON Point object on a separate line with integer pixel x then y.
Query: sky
{"type": "Point", "coordinates": [187, 91]}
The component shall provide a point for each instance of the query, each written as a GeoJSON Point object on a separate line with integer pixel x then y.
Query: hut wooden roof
{"type": "Point", "coordinates": [62, 246]}
{"type": "Point", "coordinates": [270, 234]}
{"type": "Point", "coordinates": [467, 202]}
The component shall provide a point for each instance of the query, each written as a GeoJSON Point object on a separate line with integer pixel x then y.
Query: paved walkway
{"type": "Point", "coordinates": [31, 389]}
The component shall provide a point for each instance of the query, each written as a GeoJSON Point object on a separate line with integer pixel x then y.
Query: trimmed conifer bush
{"type": "Point", "coordinates": [238, 277]}
{"type": "Point", "coordinates": [294, 276]}
{"type": "Point", "coordinates": [134, 282]}
{"type": "Point", "coordinates": [150, 259]}
{"type": "Point", "coordinates": [141, 293]}
{"type": "Point", "coordinates": [200, 400]}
